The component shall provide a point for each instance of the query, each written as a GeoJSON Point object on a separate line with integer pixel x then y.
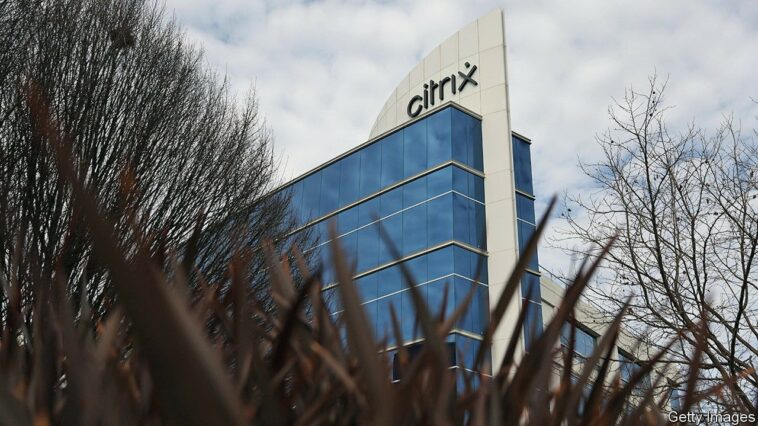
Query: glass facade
{"type": "Point", "coordinates": [531, 297]}
{"type": "Point", "coordinates": [423, 187]}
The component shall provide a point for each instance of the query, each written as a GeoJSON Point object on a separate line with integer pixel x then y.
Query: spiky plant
{"type": "Point", "coordinates": [177, 355]}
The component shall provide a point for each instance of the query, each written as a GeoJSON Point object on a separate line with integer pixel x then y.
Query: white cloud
{"type": "Point", "coordinates": [323, 69]}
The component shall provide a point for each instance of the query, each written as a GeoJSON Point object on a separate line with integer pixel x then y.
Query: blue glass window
{"type": "Point", "coordinates": [392, 159]}
{"type": "Point", "coordinates": [414, 229]}
{"type": "Point", "coordinates": [368, 211]}
{"type": "Point", "coordinates": [418, 269]}
{"type": "Point", "coordinates": [296, 201]}
{"type": "Point", "coordinates": [371, 160]}
{"type": "Point", "coordinates": [384, 318]}
{"type": "Point", "coordinates": [440, 222]}
{"type": "Point", "coordinates": [350, 246]}
{"type": "Point", "coordinates": [467, 139]}
{"type": "Point", "coordinates": [368, 247]}
{"type": "Point", "coordinates": [525, 208]}
{"type": "Point", "coordinates": [347, 220]}
{"type": "Point", "coordinates": [414, 137]}
{"type": "Point", "coordinates": [525, 231]}
{"type": "Point", "coordinates": [439, 291]}
{"type": "Point", "coordinates": [389, 280]}
{"type": "Point", "coordinates": [470, 319]}
{"type": "Point", "coordinates": [522, 164]}
{"type": "Point", "coordinates": [414, 192]}
{"type": "Point", "coordinates": [463, 214]}
{"type": "Point", "coordinates": [392, 201]}
{"type": "Point", "coordinates": [530, 287]}
{"type": "Point", "coordinates": [463, 261]}
{"type": "Point", "coordinates": [393, 228]}
{"type": "Point", "coordinates": [532, 321]}
{"type": "Point", "coordinates": [408, 322]}
{"type": "Point", "coordinates": [330, 189]}
{"type": "Point", "coordinates": [311, 196]}
{"type": "Point", "coordinates": [350, 168]}
{"type": "Point", "coordinates": [440, 262]}
{"type": "Point", "coordinates": [439, 137]}
{"type": "Point", "coordinates": [584, 344]}
{"type": "Point", "coordinates": [367, 287]}
{"type": "Point", "coordinates": [440, 181]}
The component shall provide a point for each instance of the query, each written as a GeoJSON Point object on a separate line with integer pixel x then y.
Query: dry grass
{"type": "Point", "coordinates": [173, 354]}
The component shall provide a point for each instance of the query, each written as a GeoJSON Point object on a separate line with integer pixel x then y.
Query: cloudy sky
{"type": "Point", "coordinates": [323, 69]}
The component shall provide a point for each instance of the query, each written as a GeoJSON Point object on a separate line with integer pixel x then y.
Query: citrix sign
{"type": "Point", "coordinates": [419, 103]}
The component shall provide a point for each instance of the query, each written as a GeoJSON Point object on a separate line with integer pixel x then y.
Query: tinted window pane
{"type": "Point", "coordinates": [367, 287]}
{"type": "Point", "coordinates": [311, 196]}
{"type": "Point", "coordinates": [439, 137]}
{"type": "Point", "coordinates": [296, 201]}
{"type": "Point", "coordinates": [460, 180]}
{"type": "Point", "coordinates": [414, 229]}
{"type": "Point", "coordinates": [392, 159]}
{"type": "Point", "coordinates": [469, 321]}
{"type": "Point", "coordinates": [330, 189]}
{"type": "Point", "coordinates": [418, 269]}
{"type": "Point", "coordinates": [389, 280]}
{"type": "Point", "coordinates": [533, 322]}
{"type": "Point", "coordinates": [530, 287]}
{"type": "Point", "coordinates": [525, 208]}
{"type": "Point", "coordinates": [478, 188]}
{"type": "Point", "coordinates": [478, 230]}
{"type": "Point", "coordinates": [462, 217]}
{"type": "Point", "coordinates": [459, 138]}
{"type": "Point", "coordinates": [584, 342]}
{"type": "Point", "coordinates": [391, 201]}
{"type": "Point", "coordinates": [368, 248]}
{"type": "Point", "coordinates": [436, 292]}
{"type": "Point", "coordinates": [349, 246]}
{"type": "Point", "coordinates": [347, 220]}
{"type": "Point", "coordinates": [484, 306]}
{"type": "Point", "coordinates": [476, 144]}
{"type": "Point", "coordinates": [384, 318]}
{"type": "Point", "coordinates": [522, 163]}
{"type": "Point", "coordinates": [415, 148]}
{"type": "Point", "coordinates": [525, 231]}
{"type": "Point", "coordinates": [371, 160]}
{"type": "Point", "coordinates": [462, 261]}
{"type": "Point", "coordinates": [408, 316]}
{"type": "Point", "coordinates": [350, 179]}
{"type": "Point", "coordinates": [466, 139]}
{"type": "Point", "coordinates": [440, 181]}
{"type": "Point", "coordinates": [414, 192]}
{"type": "Point", "coordinates": [393, 228]}
{"type": "Point", "coordinates": [440, 262]}
{"type": "Point", "coordinates": [368, 211]}
{"type": "Point", "coordinates": [440, 221]}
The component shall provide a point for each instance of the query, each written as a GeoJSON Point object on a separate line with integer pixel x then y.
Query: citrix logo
{"type": "Point", "coordinates": [419, 103]}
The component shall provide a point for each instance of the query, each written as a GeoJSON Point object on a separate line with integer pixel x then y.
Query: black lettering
{"type": "Point", "coordinates": [426, 96]}
{"type": "Point", "coordinates": [442, 87]}
{"type": "Point", "coordinates": [417, 111]}
{"type": "Point", "coordinates": [452, 80]}
{"type": "Point", "coordinates": [432, 86]}
{"type": "Point", "coordinates": [467, 77]}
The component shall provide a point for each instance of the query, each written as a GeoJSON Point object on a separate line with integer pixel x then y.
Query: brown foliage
{"type": "Point", "coordinates": [222, 358]}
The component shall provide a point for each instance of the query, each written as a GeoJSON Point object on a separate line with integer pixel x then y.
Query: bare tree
{"type": "Point", "coordinates": [157, 138]}
{"type": "Point", "coordinates": [684, 208]}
